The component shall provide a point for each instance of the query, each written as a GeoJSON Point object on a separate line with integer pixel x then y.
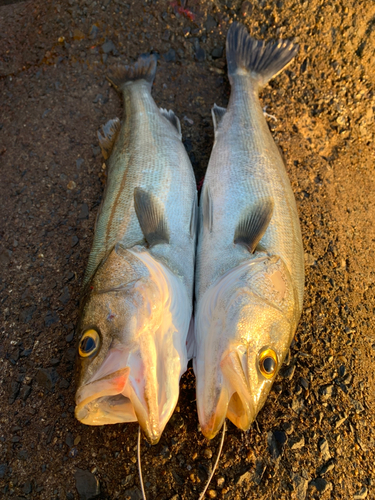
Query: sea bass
{"type": "Point", "coordinates": [137, 300]}
{"type": "Point", "coordinates": [250, 260]}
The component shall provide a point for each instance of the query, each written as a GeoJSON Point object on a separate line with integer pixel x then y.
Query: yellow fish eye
{"type": "Point", "coordinates": [89, 343]}
{"type": "Point", "coordinates": [268, 363]}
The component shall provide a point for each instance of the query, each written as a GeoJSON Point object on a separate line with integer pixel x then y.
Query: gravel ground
{"type": "Point", "coordinates": [315, 436]}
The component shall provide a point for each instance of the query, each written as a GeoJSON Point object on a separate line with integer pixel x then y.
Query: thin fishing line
{"type": "Point", "coordinates": [139, 463]}
{"type": "Point", "coordinates": [217, 461]}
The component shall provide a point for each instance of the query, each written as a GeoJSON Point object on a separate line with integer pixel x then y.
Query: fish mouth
{"type": "Point", "coordinates": [233, 398]}
{"type": "Point", "coordinates": [120, 396]}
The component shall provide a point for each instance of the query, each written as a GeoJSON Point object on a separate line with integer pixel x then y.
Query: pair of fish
{"type": "Point", "coordinates": [136, 323]}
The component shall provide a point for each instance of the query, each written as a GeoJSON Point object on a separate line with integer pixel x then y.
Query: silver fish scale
{"type": "Point", "coordinates": [246, 167]}
{"type": "Point", "coordinates": [148, 154]}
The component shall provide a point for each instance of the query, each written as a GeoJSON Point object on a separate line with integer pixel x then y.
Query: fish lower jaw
{"type": "Point", "coordinates": [234, 409]}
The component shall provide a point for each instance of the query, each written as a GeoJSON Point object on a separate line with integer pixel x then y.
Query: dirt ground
{"type": "Point", "coordinates": [315, 437]}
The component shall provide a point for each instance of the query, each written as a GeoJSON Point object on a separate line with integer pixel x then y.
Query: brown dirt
{"type": "Point", "coordinates": [54, 97]}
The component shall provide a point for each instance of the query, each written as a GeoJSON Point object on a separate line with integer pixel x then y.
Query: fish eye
{"type": "Point", "coordinates": [268, 363]}
{"type": "Point", "coordinates": [89, 343]}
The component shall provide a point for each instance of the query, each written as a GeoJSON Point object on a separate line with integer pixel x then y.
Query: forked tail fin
{"type": "Point", "coordinates": [262, 60]}
{"type": "Point", "coordinates": [143, 69]}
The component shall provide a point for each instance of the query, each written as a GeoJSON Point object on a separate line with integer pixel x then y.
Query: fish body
{"type": "Point", "coordinates": [137, 300]}
{"type": "Point", "coordinates": [250, 260]}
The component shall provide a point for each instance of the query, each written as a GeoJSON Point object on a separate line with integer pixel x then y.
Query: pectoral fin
{"type": "Point", "coordinates": [151, 218]}
{"type": "Point", "coordinates": [217, 115]}
{"type": "Point", "coordinates": [253, 224]}
{"type": "Point", "coordinates": [207, 210]}
{"type": "Point", "coordinates": [110, 132]}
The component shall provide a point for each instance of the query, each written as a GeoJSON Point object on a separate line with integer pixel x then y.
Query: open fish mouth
{"type": "Point", "coordinates": [130, 393]}
{"type": "Point", "coordinates": [106, 400]}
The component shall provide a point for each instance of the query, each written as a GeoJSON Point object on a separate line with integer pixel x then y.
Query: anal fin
{"type": "Point", "coordinates": [110, 132]}
{"type": "Point", "coordinates": [151, 218]}
{"type": "Point", "coordinates": [253, 224]}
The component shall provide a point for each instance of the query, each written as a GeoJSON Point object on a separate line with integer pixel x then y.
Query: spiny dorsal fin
{"type": "Point", "coordinates": [194, 218]}
{"type": "Point", "coordinates": [253, 224]}
{"type": "Point", "coordinates": [207, 210]}
{"type": "Point", "coordinates": [217, 115]}
{"type": "Point", "coordinates": [172, 118]}
{"type": "Point", "coordinates": [151, 218]}
{"type": "Point", "coordinates": [110, 132]}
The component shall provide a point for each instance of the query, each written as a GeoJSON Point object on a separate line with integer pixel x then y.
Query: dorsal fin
{"type": "Point", "coordinates": [207, 209]}
{"type": "Point", "coordinates": [217, 115]}
{"type": "Point", "coordinates": [172, 118]}
{"type": "Point", "coordinates": [253, 224]}
{"type": "Point", "coordinates": [151, 218]}
{"type": "Point", "coordinates": [110, 132]}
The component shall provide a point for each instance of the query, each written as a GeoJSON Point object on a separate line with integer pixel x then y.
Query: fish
{"type": "Point", "coordinates": [249, 279]}
{"type": "Point", "coordinates": [136, 305]}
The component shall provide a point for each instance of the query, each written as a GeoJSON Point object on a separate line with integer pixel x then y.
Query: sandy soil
{"type": "Point", "coordinates": [315, 436]}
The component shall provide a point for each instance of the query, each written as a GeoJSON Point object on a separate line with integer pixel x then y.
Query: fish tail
{"type": "Point", "coordinates": [262, 60]}
{"type": "Point", "coordinates": [143, 69]}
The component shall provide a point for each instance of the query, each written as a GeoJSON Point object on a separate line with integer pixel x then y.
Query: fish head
{"type": "Point", "coordinates": [126, 344]}
{"type": "Point", "coordinates": [244, 327]}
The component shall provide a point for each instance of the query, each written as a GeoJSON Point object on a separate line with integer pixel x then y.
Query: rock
{"type": "Point", "coordinates": [109, 48]}
{"type": "Point", "coordinates": [87, 485]}
{"type": "Point", "coordinates": [304, 383]}
{"type": "Point", "coordinates": [27, 314]}
{"type": "Point", "coordinates": [207, 453]}
{"type": "Point", "coordinates": [166, 35]}
{"type": "Point", "coordinates": [321, 484]}
{"type": "Point", "coordinates": [84, 213]}
{"type": "Point", "coordinates": [14, 390]}
{"type": "Point", "coordinates": [70, 336]}
{"type": "Point", "coordinates": [358, 406]}
{"type": "Point", "coordinates": [326, 467]}
{"type": "Point", "coordinates": [217, 52]}
{"type": "Point", "coordinates": [326, 391]}
{"type": "Point", "coordinates": [339, 422]}
{"type": "Point", "coordinates": [297, 443]}
{"type": "Point", "coordinates": [64, 384]}
{"type": "Point", "coordinates": [65, 296]}
{"type": "Point", "coordinates": [362, 493]}
{"type": "Point", "coordinates": [25, 392]}
{"type": "Point", "coordinates": [310, 260]}
{"type": "Point", "coordinates": [324, 449]}
{"type": "Point", "coordinates": [27, 488]}
{"type": "Point", "coordinates": [288, 372]}
{"type": "Point", "coordinates": [170, 56]}
{"type": "Point", "coordinates": [69, 440]}
{"type": "Point", "coordinates": [46, 378]}
{"type": "Point", "coordinates": [288, 427]}
{"type": "Point", "coordinates": [133, 494]}
{"type": "Point", "coordinates": [3, 470]}
{"type": "Point", "coordinates": [273, 447]}
{"type": "Point", "coordinates": [5, 257]}
{"type": "Point", "coordinates": [244, 478]}
{"type": "Point", "coordinates": [300, 484]}
{"type": "Point", "coordinates": [210, 24]}
{"type": "Point", "coordinates": [74, 241]}
{"type": "Point", "coordinates": [200, 54]}
{"type": "Point", "coordinates": [51, 318]}
{"type": "Point", "coordinates": [260, 469]}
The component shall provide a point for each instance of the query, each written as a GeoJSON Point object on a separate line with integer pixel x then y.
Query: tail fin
{"type": "Point", "coordinates": [143, 69]}
{"type": "Point", "coordinates": [262, 60]}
